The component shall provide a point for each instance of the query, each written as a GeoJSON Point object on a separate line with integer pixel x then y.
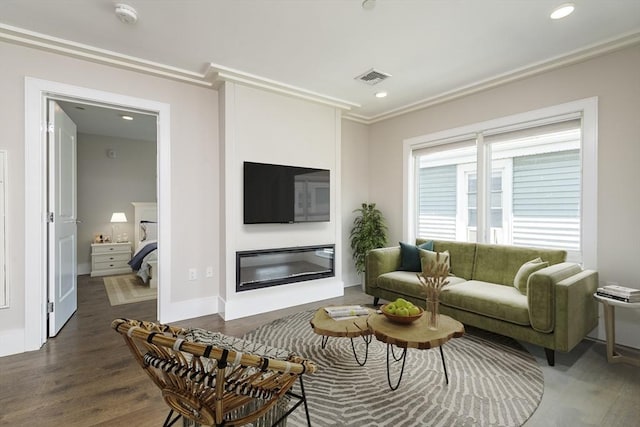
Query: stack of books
{"type": "Point", "coordinates": [619, 293]}
{"type": "Point", "coordinates": [346, 311]}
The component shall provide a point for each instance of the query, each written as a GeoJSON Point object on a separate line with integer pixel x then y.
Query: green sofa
{"type": "Point", "coordinates": [555, 308]}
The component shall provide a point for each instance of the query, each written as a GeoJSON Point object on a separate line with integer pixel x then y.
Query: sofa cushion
{"type": "Point", "coordinates": [488, 299]}
{"type": "Point", "coordinates": [500, 263]}
{"type": "Point", "coordinates": [462, 256]}
{"type": "Point", "coordinates": [526, 269]}
{"type": "Point", "coordinates": [407, 283]}
{"type": "Point", "coordinates": [410, 257]}
{"type": "Point", "coordinates": [427, 258]}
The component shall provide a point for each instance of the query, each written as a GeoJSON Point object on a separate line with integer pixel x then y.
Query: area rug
{"type": "Point", "coordinates": [493, 381]}
{"type": "Point", "coordinates": [127, 289]}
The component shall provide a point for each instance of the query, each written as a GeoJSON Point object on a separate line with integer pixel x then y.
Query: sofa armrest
{"type": "Point", "coordinates": [576, 309]}
{"type": "Point", "coordinates": [380, 261]}
{"type": "Point", "coordinates": [560, 299]}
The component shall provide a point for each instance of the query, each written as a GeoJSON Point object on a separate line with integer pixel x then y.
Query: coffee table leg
{"type": "Point", "coordinates": [444, 365]}
{"type": "Point", "coordinates": [404, 359]}
{"type": "Point", "coordinates": [323, 344]}
{"type": "Point", "coordinates": [367, 340]}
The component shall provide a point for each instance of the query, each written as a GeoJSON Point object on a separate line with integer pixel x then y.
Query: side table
{"type": "Point", "coordinates": [414, 335]}
{"type": "Point", "coordinates": [609, 306]}
{"type": "Point", "coordinates": [326, 326]}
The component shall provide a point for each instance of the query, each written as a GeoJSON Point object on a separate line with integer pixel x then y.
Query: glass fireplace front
{"type": "Point", "coordinates": [272, 267]}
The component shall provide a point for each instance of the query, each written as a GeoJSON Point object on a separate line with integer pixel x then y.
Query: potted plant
{"type": "Point", "coordinates": [369, 232]}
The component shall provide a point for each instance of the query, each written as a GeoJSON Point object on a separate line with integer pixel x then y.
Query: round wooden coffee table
{"type": "Point", "coordinates": [414, 335]}
{"type": "Point", "coordinates": [326, 326]}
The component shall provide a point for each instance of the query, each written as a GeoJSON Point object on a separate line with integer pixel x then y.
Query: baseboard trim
{"type": "Point", "coordinates": [189, 309]}
{"type": "Point", "coordinates": [12, 342]}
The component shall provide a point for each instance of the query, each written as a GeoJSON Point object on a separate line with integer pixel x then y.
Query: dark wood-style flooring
{"type": "Point", "coordinates": [86, 376]}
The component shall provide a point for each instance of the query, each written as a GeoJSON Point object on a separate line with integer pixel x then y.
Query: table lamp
{"type": "Point", "coordinates": [116, 218]}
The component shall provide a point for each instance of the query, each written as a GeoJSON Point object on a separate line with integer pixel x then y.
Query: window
{"type": "Point", "coordinates": [512, 181]}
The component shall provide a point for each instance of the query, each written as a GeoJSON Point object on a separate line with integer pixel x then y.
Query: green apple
{"type": "Point", "coordinates": [401, 302]}
{"type": "Point", "coordinates": [390, 308]}
{"type": "Point", "coordinates": [402, 311]}
{"type": "Point", "coordinates": [413, 310]}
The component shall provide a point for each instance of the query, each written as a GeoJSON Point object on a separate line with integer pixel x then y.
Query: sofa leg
{"type": "Point", "coordinates": [375, 300]}
{"type": "Point", "coordinates": [551, 356]}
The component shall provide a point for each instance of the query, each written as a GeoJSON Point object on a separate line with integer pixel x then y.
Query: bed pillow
{"type": "Point", "coordinates": [427, 257]}
{"type": "Point", "coordinates": [526, 269]}
{"type": "Point", "coordinates": [410, 257]}
{"type": "Point", "coordinates": [148, 230]}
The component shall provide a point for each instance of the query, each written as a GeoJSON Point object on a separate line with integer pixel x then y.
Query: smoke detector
{"type": "Point", "coordinates": [126, 13]}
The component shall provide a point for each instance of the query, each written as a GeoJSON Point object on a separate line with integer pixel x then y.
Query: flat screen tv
{"type": "Point", "coordinates": [285, 194]}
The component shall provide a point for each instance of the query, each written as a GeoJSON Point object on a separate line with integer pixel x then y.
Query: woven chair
{"type": "Point", "coordinates": [209, 384]}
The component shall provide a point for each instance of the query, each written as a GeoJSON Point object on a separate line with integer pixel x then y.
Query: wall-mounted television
{"type": "Point", "coordinates": [285, 194]}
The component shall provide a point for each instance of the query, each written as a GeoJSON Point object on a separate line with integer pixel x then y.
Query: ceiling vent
{"type": "Point", "coordinates": [372, 77]}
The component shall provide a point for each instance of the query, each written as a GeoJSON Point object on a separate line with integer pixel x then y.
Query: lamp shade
{"type": "Point", "coordinates": [118, 217]}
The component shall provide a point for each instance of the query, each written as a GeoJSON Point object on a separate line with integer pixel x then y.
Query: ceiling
{"type": "Point", "coordinates": [106, 121]}
{"type": "Point", "coordinates": [432, 48]}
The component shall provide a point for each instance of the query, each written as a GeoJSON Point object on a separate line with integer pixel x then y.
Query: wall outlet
{"type": "Point", "coordinates": [209, 272]}
{"type": "Point", "coordinates": [193, 274]}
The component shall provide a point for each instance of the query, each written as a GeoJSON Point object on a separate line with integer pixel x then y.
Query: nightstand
{"type": "Point", "coordinates": [110, 258]}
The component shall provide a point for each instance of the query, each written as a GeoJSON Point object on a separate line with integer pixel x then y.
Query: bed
{"type": "Point", "coordinates": [145, 258]}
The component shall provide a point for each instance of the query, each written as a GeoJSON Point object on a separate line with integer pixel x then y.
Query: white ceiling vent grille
{"type": "Point", "coordinates": [372, 77]}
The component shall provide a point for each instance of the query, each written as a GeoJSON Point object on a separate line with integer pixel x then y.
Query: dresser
{"type": "Point", "coordinates": [110, 258]}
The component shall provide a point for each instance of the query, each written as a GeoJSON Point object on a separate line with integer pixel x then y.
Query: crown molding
{"type": "Point", "coordinates": [216, 74]}
{"type": "Point", "coordinates": [60, 46]}
{"type": "Point", "coordinates": [579, 55]}
{"type": "Point", "coordinates": [219, 73]}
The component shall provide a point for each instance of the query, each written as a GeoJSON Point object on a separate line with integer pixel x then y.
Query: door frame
{"type": "Point", "coordinates": [37, 92]}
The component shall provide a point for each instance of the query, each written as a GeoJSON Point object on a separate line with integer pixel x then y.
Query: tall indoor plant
{"type": "Point", "coordinates": [369, 232]}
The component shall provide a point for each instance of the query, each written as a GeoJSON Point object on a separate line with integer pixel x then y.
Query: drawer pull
{"type": "Point", "coordinates": [111, 249]}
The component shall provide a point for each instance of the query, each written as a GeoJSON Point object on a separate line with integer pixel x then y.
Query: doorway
{"type": "Point", "coordinates": [116, 167]}
{"type": "Point", "coordinates": [37, 94]}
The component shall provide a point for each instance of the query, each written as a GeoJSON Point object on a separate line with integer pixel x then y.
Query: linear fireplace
{"type": "Point", "coordinates": [272, 267]}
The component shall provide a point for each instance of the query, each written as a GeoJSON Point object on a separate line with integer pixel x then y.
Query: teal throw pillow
{"type": "Point", "coordinates": [526, 270]}
{"type": "Point", "coordinates": [410, 257]}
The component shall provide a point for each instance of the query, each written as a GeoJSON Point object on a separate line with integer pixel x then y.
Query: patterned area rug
{"type": "Point", "coordinates": [493, 381]}
{"type": "Point", "coordinates": [127, 289]}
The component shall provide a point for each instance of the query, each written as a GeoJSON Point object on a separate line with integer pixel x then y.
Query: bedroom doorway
{"type": "Point", "coordinates": [116, 170]}
{"type": "Point", "coordinates": [38, 93]}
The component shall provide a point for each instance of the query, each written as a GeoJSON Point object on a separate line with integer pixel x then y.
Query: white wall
{"type": "Point", "coordinates": [107, 185]}
{"type": "Point", "coordinates": [614, 79]}
{"type": "Point", "coordinates": [265, 127]}
{"type": "Point", "coordinates": [194, 163]}
{"type": "Point", "coordinates": [355, 189]}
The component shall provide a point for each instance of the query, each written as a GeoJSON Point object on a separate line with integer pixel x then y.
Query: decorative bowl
{"type": "Point", "coordinates": [402, 319]}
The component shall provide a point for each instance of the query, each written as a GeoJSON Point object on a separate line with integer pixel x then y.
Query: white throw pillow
{"type": "Point", "coordinates": [429, 257]}
{"type": "Point", "coordinates": [526, 269]}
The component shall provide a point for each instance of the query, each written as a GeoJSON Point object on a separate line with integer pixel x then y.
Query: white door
{"type": "Point", "coordinates": [63, 295]}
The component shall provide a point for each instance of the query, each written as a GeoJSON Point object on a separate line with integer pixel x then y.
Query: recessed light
{"type": "Point", "coordinates": [381, 94]}
{"type": "Point", "coordinates": [124, 117]}
{"type": "Point", "coordinates": [562, 11]}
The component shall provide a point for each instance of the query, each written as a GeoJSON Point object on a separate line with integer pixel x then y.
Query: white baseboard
{"type": "Point", "coordinates": [12, 342]}
{"type": "Point", "coordinates": [189, 309]}
{"type": "Point", "coordinates": [84, 269]}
